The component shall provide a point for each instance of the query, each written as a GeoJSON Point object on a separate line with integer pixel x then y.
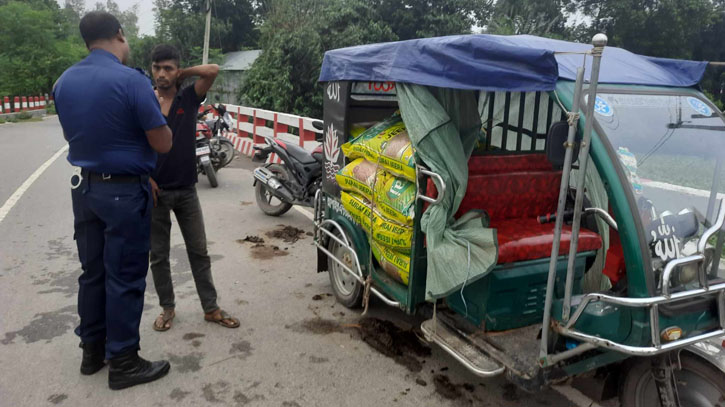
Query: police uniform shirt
{"type": "Point", "coordinates": [105, 108]}
{"type": "Point", "coordinates": [177, 168]}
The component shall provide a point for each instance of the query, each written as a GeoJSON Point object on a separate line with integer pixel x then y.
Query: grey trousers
{"type": "Point", "coordinates": [187, 209]}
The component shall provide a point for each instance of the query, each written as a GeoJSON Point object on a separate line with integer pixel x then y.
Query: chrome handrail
{"type": "Point", "coordinates": [637, 350]}
{"type": "Point", "coordinates": [653, 304]}
{"type": "Point", "coordinates": [702, 243]}
{"type": "Point", "coordinates": [606, 217]}
{"type": "Point", "coordinates": [437, 180]}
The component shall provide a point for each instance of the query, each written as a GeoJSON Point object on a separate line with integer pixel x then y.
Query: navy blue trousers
{"type": "Point", "coordinates": [112, 232]}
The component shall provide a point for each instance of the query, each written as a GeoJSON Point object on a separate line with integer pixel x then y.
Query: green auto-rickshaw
{"type": "Point", "coordinates": [567, 213]}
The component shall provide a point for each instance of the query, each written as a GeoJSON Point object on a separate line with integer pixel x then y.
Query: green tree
{"type": "Point", "coordinates": [423, 18]}
{"type": "Point", "coordinates": [536, 17]}
{"type": "Point", "coordinates": [182, 22]}
{"type": "Point", "coordinates": [128, 18]}
{"type": "Point", "coordinates": [664, 28]}
{"type": "Point", "coordinates": [294, 36]}
{"type": "Point", "coordinates": [34, 48]}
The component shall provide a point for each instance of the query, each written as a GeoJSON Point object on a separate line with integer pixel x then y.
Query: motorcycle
{"type": "Point", "coordinates": [222, 149]}
{"type": "Point", "coordinates": [203, 154]}
{"type": "Point", "coordinates": [294, 182]}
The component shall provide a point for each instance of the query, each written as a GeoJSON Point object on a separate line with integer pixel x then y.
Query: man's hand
{"type": "Point", "coordinates": [154, 191]}
{"type": "Point", "coordinates": [158, 97]}
{"type": "Point", "coordinates": [206, 73]}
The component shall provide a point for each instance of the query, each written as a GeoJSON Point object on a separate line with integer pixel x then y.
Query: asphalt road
{"type": "Point", "coordinates": [296, 346]}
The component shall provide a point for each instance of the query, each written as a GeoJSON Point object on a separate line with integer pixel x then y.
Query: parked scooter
{"type": "Point", "coordinates": [294, 182]}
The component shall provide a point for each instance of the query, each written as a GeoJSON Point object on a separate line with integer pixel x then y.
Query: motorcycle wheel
{"type": "Point", "coordinates": [227, 148]}
{"type": "Point", "coordinates": [698, 383]}
{"type": "Point", "coordinates": [265, 200]}
{"type": "Point", "coordinates": [211, 174]}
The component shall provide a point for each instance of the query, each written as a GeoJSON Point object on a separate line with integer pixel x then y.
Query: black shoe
{"type": "Point", "coordinates": [130, 369]}
{"type": "Point", "coordinates": [94, 354]}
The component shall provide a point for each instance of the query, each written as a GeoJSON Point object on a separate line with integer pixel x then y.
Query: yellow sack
{"type": "Point", "coordinates": [397, 157]}
{"type": "Point", "coordinates": [389, 234]}
{"type": "Point", "coordinates": [395, 264]}
{"type": "Point", "coordinates": [387, 143]}
{"type": "Point", "coordinates": [395, 199]}
{"type": "Point", "coordinates": [359, 176]}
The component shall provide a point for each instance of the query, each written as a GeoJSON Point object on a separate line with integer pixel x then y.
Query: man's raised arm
{"type": "Point", "coordinates": [206, 73]}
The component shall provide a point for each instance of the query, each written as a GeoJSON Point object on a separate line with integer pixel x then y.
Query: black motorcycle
{"type": "Point", "coordinates": [294, 182]}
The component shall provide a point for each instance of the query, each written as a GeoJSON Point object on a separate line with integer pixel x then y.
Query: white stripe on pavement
{"type": "Point", "coordinates": [15, 197]}
{"type": "Point", "coordinates": [575, 396]}
{"type": "Point", "coordinates": [304, 212]}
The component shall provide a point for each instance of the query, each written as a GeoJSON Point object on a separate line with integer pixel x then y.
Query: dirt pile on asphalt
{"type": "Point", "coordinates": [286, 233]}
{"type": "Point", "coordinates": [401, 345]}
{"type": "Point", "coordinates": [261, 251]}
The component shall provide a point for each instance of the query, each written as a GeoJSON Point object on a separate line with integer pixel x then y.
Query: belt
{"type": "Point", "coordinates": [115, 178]}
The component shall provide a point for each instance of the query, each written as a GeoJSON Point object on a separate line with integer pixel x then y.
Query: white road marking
{"type": "Point", "coordinates": [678, 188]}
{"type": "Point", "coordinates": [305, 212]}
{"type": "Point", "coordinates": [575, 396]}
{"type": "Point", "coordinates": [15, 197]}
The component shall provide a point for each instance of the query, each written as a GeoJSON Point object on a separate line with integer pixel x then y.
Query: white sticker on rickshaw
{"type": "Point", "coordinates": [699, 106]}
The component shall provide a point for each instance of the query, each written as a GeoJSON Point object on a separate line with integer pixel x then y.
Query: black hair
{"type": "Point", "coordinates": [98, 25]}
{"type": "Point", "coordinates": [165, 52]}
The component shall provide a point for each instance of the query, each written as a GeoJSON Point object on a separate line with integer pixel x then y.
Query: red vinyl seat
{"type": "Point", "coordinates": [514, 190]}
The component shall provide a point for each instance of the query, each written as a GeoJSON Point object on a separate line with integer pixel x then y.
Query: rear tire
{"type": "Point", "coordinates": [699, 383]}
{"type": "Point", "coordinates": [347, 289]}
{"type": "Point", "coordinates": [264, 196]}
{"type": "Point", "coordinates": [226, 147]}
{"type": "Point", "coordinates": [211, 174]}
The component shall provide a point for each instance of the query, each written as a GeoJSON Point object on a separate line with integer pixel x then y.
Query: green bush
{"type": "Point", "coordinates": [50, 109]}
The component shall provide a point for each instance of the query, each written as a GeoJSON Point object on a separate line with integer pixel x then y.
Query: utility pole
{"type": "Point", "coordinates": [205, 56]}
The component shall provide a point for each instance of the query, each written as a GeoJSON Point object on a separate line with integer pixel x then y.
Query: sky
{"type": "Point", "coordinates": [145, 12]}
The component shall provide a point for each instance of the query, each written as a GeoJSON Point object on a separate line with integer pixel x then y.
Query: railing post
{"type": "Point", "coordinates": [274, 129]}
{"type": "Point", "coordinates": [302, 133]}
{"type": "Point", "coordinates": [255, 138]}
{"type": "Point", "coordinates": [239, 118]}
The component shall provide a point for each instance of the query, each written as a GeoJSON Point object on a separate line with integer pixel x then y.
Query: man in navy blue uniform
{"type": "Point", "coordinates": [114, 127]}
{"type": "Point", "coordinates": [173, 184]}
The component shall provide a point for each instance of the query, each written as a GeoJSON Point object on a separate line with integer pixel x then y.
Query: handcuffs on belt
{"type": "Point", "coordinates": [77, 174]}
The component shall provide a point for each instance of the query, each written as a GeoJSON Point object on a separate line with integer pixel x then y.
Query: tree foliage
{"type": "Point", "coordinates": [35, 47]}
{"type": "Point", "coordinates": [296, 33]}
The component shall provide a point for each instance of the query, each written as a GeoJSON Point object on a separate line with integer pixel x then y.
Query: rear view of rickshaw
{"type": "Point", "coordinates": [557, 207]}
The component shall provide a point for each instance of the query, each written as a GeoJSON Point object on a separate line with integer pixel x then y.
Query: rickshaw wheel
{"type": "Point", "coordinates": [699, 384]}
{"type": "Point", "coordinates": [346, 288]}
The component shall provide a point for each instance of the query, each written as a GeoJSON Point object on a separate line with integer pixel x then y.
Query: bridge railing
{"type": "Point", "coordinates": [249, 125]}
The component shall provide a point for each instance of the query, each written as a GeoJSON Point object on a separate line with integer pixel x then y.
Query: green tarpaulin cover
{"type": "Point", "coordinates": [443, 125]}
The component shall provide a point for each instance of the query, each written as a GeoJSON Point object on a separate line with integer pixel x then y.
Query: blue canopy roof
{"type": "Point", "coordinates": [499, 63]}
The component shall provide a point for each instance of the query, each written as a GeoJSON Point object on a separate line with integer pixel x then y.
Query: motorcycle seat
{"type": "Point", "coordinates": [299, 154]}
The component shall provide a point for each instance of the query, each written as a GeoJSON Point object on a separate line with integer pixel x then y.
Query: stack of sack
{"type": "Point", "coordinates": [379, 192]}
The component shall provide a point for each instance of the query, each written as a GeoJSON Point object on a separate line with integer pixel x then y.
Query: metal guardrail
{"type": "Point", "coordinates": [320, 230]}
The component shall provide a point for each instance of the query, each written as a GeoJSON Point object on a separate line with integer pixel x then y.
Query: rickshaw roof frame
{"type": "Point", "coordinates": [517, 63]}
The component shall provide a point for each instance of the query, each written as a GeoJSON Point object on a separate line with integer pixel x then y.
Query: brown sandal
{"type": "Point", "coordinates": [164, 321]}
{"type": "Point", "coordinates": [222, 318]}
